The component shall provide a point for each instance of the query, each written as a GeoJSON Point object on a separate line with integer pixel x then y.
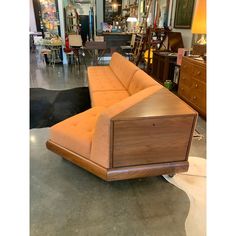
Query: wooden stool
{"type": "Point", "coordinates": [70, 57]}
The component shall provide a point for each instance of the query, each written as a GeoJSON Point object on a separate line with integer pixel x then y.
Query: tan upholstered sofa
{"type": "Point", "coordinates": [135, 128]}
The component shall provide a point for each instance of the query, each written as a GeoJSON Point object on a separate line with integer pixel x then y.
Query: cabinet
{"type": "Point", "coordinates": [163, 66]}
{"type": "Point", "coordinates": [192, 84]}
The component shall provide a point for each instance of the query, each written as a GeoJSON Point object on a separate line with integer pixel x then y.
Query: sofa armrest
{"type": "Point", "coordinates": [101, 142]}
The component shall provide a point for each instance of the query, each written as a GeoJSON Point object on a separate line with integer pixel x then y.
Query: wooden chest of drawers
{"type": "Point", "coordinates": [192, 84]}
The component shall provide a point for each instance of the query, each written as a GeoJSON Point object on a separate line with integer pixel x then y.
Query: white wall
{"type": "Point", "coordinates": [99, 13]}
{"type": "Point", "coordinates": [62, 27]}
{"type": "Point", "coordinates": [186, 33]}
{"type": "Point", "coordinates": [33, 27]}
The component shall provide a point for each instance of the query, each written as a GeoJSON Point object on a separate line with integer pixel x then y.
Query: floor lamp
{"type": "Point", "coordinates": [199, 27]}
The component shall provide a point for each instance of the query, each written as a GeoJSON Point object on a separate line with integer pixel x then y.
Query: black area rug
{"type": "Point", "coordinates": [48, 107]}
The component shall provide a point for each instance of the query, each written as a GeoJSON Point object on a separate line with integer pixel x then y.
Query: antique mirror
{"type": "Point", "coordinates": [112, 10]}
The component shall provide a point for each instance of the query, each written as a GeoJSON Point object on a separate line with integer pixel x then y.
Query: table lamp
{"type": "Point", "coordinates": [199, 21]}
{"type": "Point", "coordinates": [131, 22]}
{"type": "Point", "coordinates": [131, 19]}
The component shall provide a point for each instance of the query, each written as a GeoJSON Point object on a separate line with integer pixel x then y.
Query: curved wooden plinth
{"type": "Point", "coordinates": [121, 173]}
{"type": "Point", "coordinates": [78, 160]}
{"type": "Point", "coordinates": [133, 172]}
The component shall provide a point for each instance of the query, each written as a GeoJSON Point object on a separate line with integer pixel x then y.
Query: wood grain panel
{"type": "Point", "coordinates": [192, 84]}
{"type": "Point", "coordinates": [146, 141]}
{"type": "Point", "coordinates": [186, 78]}
{"type": "Point", "coordinates": [118, 173]}
{"type": "Point", "coordinates": [162, 103]}
{"type": "Point", "coordinates": [133, 172]}
{"type": "Point", "coordinates": [185, 91]}
{"type": "Point", "coordinates": [199, 72]}
{"type": "Point", "coordinates": [198, 97]}
{"type": "Point", "coordinates": [187, 66]}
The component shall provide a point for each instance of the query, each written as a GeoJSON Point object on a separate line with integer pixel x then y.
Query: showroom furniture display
{"type": "Point", "coordinates": [192, 84]}
{"type": "Point", "coordinates": [71, 18]}
{"type": "Point", "coordinates": [135, 128]}
{"type": "Point", "coordinates": [165, 45]}
{"type": "Point", "coordinates": [96, 50]}
{"type": "Point", "coordinates": [163, 66]}
{"type": "Point", "coordinates": [164, 61]}
{"type": "Point", "coordinates": [51, 49]}
{"type": "Point", "coordinates": [75, 43]}
{"type": "Point", "coordinates": [127, 50]}
{"type": "Point", "coordinates": [114, 40]}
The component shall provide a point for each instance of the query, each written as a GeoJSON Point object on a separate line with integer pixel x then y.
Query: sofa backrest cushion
{"type": "Point", "coordinates": [122, 68]}
{"type": "Point", "coordinates": [101, 141]}
{"type": "Point", "coordinates": [140, 81]}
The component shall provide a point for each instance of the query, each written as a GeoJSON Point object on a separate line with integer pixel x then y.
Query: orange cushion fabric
{"type": "Point", "coordinates": [108, 98]}
{"type": "Point", "coordinates": [122, 68]}
{"type": "Point", "coordinates": [75, 133]}
{"type": "Point", "coordinates": [101, 78]}
{"type": "Point", "coordinates": [140, 81]}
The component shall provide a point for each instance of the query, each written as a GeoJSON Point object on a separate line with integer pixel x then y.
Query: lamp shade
{"type": "Point", "coordinates": [199, 20]}
{"type": "Point", "coordinates": [132, 19]}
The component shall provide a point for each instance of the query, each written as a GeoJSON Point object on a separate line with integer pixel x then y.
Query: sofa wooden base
{"type": "Point", "coordinates": [77, 159]}
{"type": "Point", "coordinates": [121, 173]}
{"type": "Point", "coordinates": [142, 171]}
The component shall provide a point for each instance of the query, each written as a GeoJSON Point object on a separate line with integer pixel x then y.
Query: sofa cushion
{"type": "Point", "coordinates": [108, 98]}
{"type": "Point", "coordinates": [122, 68]}
{"type": "Point", "coordinates": [140, 81]}
{"type": "Point", "coordinates": [101, 78]}
{"type": "Point", "coordinates": [75, 133]}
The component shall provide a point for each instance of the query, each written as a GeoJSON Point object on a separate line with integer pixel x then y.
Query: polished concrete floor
{"type": "Point", "coordinates": [67, 200]}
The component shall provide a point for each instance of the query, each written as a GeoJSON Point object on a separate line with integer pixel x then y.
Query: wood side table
{"type": "Point", "coordinates": [96, 50]}
{"type": "Point", "coordinates": [163, 66]}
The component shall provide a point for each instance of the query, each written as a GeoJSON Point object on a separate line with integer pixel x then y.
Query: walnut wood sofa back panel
{"type": "Point", "coordinates": [135, 128]}
{"type": "Point", "coordinates": [148, 141]}
{"type": "Point", "coordinates": [142, 129]}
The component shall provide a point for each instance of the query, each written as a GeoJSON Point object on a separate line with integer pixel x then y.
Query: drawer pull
{"type": "Point", "coordinates": [196, 85]}
{"type": "Point", "coordinates": [194, 97]}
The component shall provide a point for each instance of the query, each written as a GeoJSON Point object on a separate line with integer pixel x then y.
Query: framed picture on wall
{"type": "Point", "coordinates": [184, 14]}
